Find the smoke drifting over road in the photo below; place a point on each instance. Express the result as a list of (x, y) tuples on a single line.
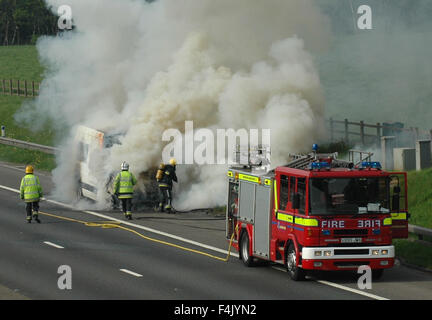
[(141, 68)]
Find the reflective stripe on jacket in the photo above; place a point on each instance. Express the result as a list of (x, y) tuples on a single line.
[(123, 184), (30, 189)]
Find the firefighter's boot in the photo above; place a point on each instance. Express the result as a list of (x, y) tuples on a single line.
[(168, 208), (36, 216), (128, 215), (160, 208)]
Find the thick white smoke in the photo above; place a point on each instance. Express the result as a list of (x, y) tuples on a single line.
[(142, 68)]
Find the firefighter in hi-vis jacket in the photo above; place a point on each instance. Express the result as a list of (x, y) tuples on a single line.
[(123, 188), (31, 192)]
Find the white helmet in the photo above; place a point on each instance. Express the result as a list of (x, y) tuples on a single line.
[(124, 166)]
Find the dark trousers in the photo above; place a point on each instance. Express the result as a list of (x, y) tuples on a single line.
[(126, 205), (165, 198), (31, 206)]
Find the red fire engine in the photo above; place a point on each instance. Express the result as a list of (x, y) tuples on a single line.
[(317, 213)]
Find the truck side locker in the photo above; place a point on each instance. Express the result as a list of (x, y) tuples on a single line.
[(399, 205), (262, 221), (247, 201)]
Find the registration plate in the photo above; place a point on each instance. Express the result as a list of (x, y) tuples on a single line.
[(351, 240)]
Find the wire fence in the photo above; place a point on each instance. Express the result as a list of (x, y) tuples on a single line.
[(21, 88), (370, 134)]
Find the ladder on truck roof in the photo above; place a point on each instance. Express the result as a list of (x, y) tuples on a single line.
[(302, 161)]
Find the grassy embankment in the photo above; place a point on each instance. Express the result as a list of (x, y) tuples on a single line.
[(420, 206), (21, 63)]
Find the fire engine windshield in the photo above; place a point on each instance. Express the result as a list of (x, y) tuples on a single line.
[(349, 196)]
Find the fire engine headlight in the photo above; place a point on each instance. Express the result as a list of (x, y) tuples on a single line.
[(384, 252), (318, 253), (327, 253), (375, 252)]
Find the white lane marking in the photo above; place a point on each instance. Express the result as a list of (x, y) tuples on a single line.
[(53, 245), (9, 189), (131, 273), (363, 293), (168, 235), (202, 245), (194, 243)]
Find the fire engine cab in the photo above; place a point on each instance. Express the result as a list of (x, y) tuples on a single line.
[(317, 213)]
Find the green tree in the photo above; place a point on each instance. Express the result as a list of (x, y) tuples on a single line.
[(22, 21)]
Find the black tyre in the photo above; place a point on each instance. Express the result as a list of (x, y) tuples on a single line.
[(296, 273), (247, 259)]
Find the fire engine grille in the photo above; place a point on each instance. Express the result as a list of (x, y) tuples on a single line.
[(350, 264), (339, 252), (350, 232)]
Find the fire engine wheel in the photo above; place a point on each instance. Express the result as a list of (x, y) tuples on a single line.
[(247, 259), (296, 273)]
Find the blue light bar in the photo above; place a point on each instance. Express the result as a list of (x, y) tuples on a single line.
[(371, 164), (376, 165), (319, 165)]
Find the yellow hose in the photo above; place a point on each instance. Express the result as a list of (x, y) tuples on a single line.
[(115, 224)]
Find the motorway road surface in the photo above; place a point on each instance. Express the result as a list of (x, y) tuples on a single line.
[(110, 263)]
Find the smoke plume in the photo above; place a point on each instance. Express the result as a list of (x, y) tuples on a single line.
[(383, 74), (141, 68)]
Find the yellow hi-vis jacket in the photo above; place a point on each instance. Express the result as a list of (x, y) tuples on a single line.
[(123, 184), (30, 189)]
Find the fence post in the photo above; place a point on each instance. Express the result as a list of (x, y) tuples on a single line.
[(331, 130), (378, 133), (346, 131), (362, 136), (10, 86), (33, 89), (18, 91), (25, 88)]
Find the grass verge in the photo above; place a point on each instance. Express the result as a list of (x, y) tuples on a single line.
[(414, 252), (40, 160), (9, 105), (20, 63), (420, 197)]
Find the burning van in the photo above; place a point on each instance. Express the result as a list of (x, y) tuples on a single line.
[(94, 183)]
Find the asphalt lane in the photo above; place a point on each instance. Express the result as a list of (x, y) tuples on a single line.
[(96, 256)]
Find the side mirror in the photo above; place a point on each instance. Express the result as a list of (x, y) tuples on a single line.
[(296, 201), (395, 202)]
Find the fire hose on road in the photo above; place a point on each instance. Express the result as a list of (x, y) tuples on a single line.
[(115, 224)]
